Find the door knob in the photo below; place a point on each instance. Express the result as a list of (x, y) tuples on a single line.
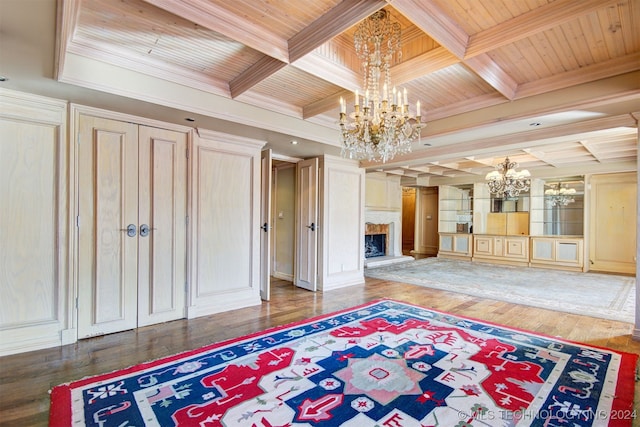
[(131, 230), (312, 227), (145, 230), (265, 227)]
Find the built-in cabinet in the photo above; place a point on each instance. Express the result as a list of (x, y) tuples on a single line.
[(456, 204), (455, 221), (545, 227), (455, 245), (501, 249), (566, 253), (514, 230)]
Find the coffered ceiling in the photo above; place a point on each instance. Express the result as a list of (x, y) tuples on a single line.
[(555, 85)]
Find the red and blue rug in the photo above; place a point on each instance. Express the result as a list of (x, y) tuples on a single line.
[(386, 363)]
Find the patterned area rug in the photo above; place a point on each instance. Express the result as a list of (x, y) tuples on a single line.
[(606, 296), (386, 363)]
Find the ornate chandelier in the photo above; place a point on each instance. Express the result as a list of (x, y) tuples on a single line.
[(505, 180), (383, 127), (558, 195)]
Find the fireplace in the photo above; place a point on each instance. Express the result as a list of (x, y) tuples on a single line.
[(376, 240)]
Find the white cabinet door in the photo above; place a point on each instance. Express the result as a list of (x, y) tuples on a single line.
[(132, 231)]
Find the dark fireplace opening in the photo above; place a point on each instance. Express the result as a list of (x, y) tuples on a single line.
[(375, 245)]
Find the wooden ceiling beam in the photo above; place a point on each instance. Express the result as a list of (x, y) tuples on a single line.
[(394, 171), (324, 105), (410, 172), (506, 142), (426, 63), (428, 16), (540, 155), (464, 106), (491, 73), (456, 167), (591, 150), (342, 17), (484, 161), (301, 46), (586, 74), (321, 67), (265, 67), (213, 17), (419, 169), (536, 21)]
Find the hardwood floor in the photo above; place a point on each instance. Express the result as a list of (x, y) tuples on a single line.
[(26, 378)]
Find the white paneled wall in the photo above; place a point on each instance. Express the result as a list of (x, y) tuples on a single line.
[(35, 225), (225, 257), (342, 187)]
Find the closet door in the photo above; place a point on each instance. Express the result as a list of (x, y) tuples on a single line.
[(132, 226), (108, 207), (161, 225)]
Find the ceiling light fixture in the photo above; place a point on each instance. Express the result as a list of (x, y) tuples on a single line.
[(559, 195), (384, 127), (506, 181)]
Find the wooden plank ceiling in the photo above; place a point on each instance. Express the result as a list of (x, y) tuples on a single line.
[(458, 57)]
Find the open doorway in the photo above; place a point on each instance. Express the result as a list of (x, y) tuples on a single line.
[(420, 221), (408, 220), (283, 220)]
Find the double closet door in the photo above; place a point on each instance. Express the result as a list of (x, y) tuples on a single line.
[(132, 191)]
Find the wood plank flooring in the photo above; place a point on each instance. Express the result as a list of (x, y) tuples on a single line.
[(26, 378)]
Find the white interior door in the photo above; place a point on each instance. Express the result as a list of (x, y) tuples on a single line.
[(265, 225), (132, 226), (108, 226), (306, 274)]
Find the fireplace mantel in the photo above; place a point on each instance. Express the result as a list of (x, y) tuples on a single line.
[(394, 221)]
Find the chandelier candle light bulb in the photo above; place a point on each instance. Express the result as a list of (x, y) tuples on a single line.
[(559, 195), (382, 131)]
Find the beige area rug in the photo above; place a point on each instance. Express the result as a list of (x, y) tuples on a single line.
[(606, 296)]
